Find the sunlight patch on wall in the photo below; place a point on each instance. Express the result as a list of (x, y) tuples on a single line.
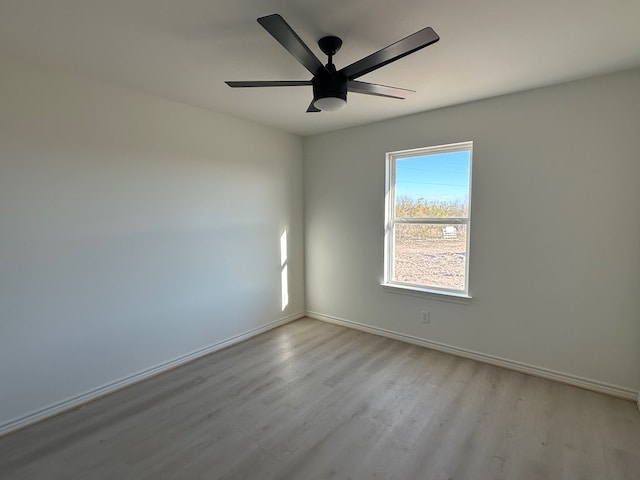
[(284, 278)]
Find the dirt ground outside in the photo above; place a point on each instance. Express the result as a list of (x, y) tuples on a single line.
[(437, 262)]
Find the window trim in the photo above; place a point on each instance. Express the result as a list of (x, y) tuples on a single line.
[(411, 288)]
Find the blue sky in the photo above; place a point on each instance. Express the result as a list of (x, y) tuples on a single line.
[(442, 176)]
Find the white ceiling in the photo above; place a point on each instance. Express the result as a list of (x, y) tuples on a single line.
[(185, 49)]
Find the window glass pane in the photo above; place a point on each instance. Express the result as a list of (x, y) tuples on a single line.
[(432, 185), (431, 255)]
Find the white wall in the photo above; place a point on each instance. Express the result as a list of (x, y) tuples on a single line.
[(555, 237), (133, 230)]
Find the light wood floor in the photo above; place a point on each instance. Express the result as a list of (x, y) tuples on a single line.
[(311, 400)]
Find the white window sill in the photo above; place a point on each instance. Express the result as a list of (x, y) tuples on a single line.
[(441, 295)]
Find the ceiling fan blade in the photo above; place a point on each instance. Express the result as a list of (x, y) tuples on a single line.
[(393, 52), (312, 108), (284, 34), (378, 90), (270, 83)]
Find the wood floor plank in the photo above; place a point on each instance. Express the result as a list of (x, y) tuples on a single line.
[(311, 400)]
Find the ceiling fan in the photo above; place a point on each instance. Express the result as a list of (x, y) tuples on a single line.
[(330, 86)]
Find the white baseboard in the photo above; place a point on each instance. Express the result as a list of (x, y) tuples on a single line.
[(594, 385), (111, 387)]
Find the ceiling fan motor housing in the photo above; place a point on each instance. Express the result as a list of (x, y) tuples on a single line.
[(329, 84)]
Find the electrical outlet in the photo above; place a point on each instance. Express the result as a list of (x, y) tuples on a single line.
[(426, 317)]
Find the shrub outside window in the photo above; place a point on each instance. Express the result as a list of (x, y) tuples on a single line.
[(428, 218)]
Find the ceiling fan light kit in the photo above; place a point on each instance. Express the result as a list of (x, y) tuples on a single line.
[(330, 86), (330, 104)]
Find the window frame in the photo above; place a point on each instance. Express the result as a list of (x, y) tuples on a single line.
[(391, 222)]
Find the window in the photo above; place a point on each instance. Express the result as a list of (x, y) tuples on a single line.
[(428, 206)]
